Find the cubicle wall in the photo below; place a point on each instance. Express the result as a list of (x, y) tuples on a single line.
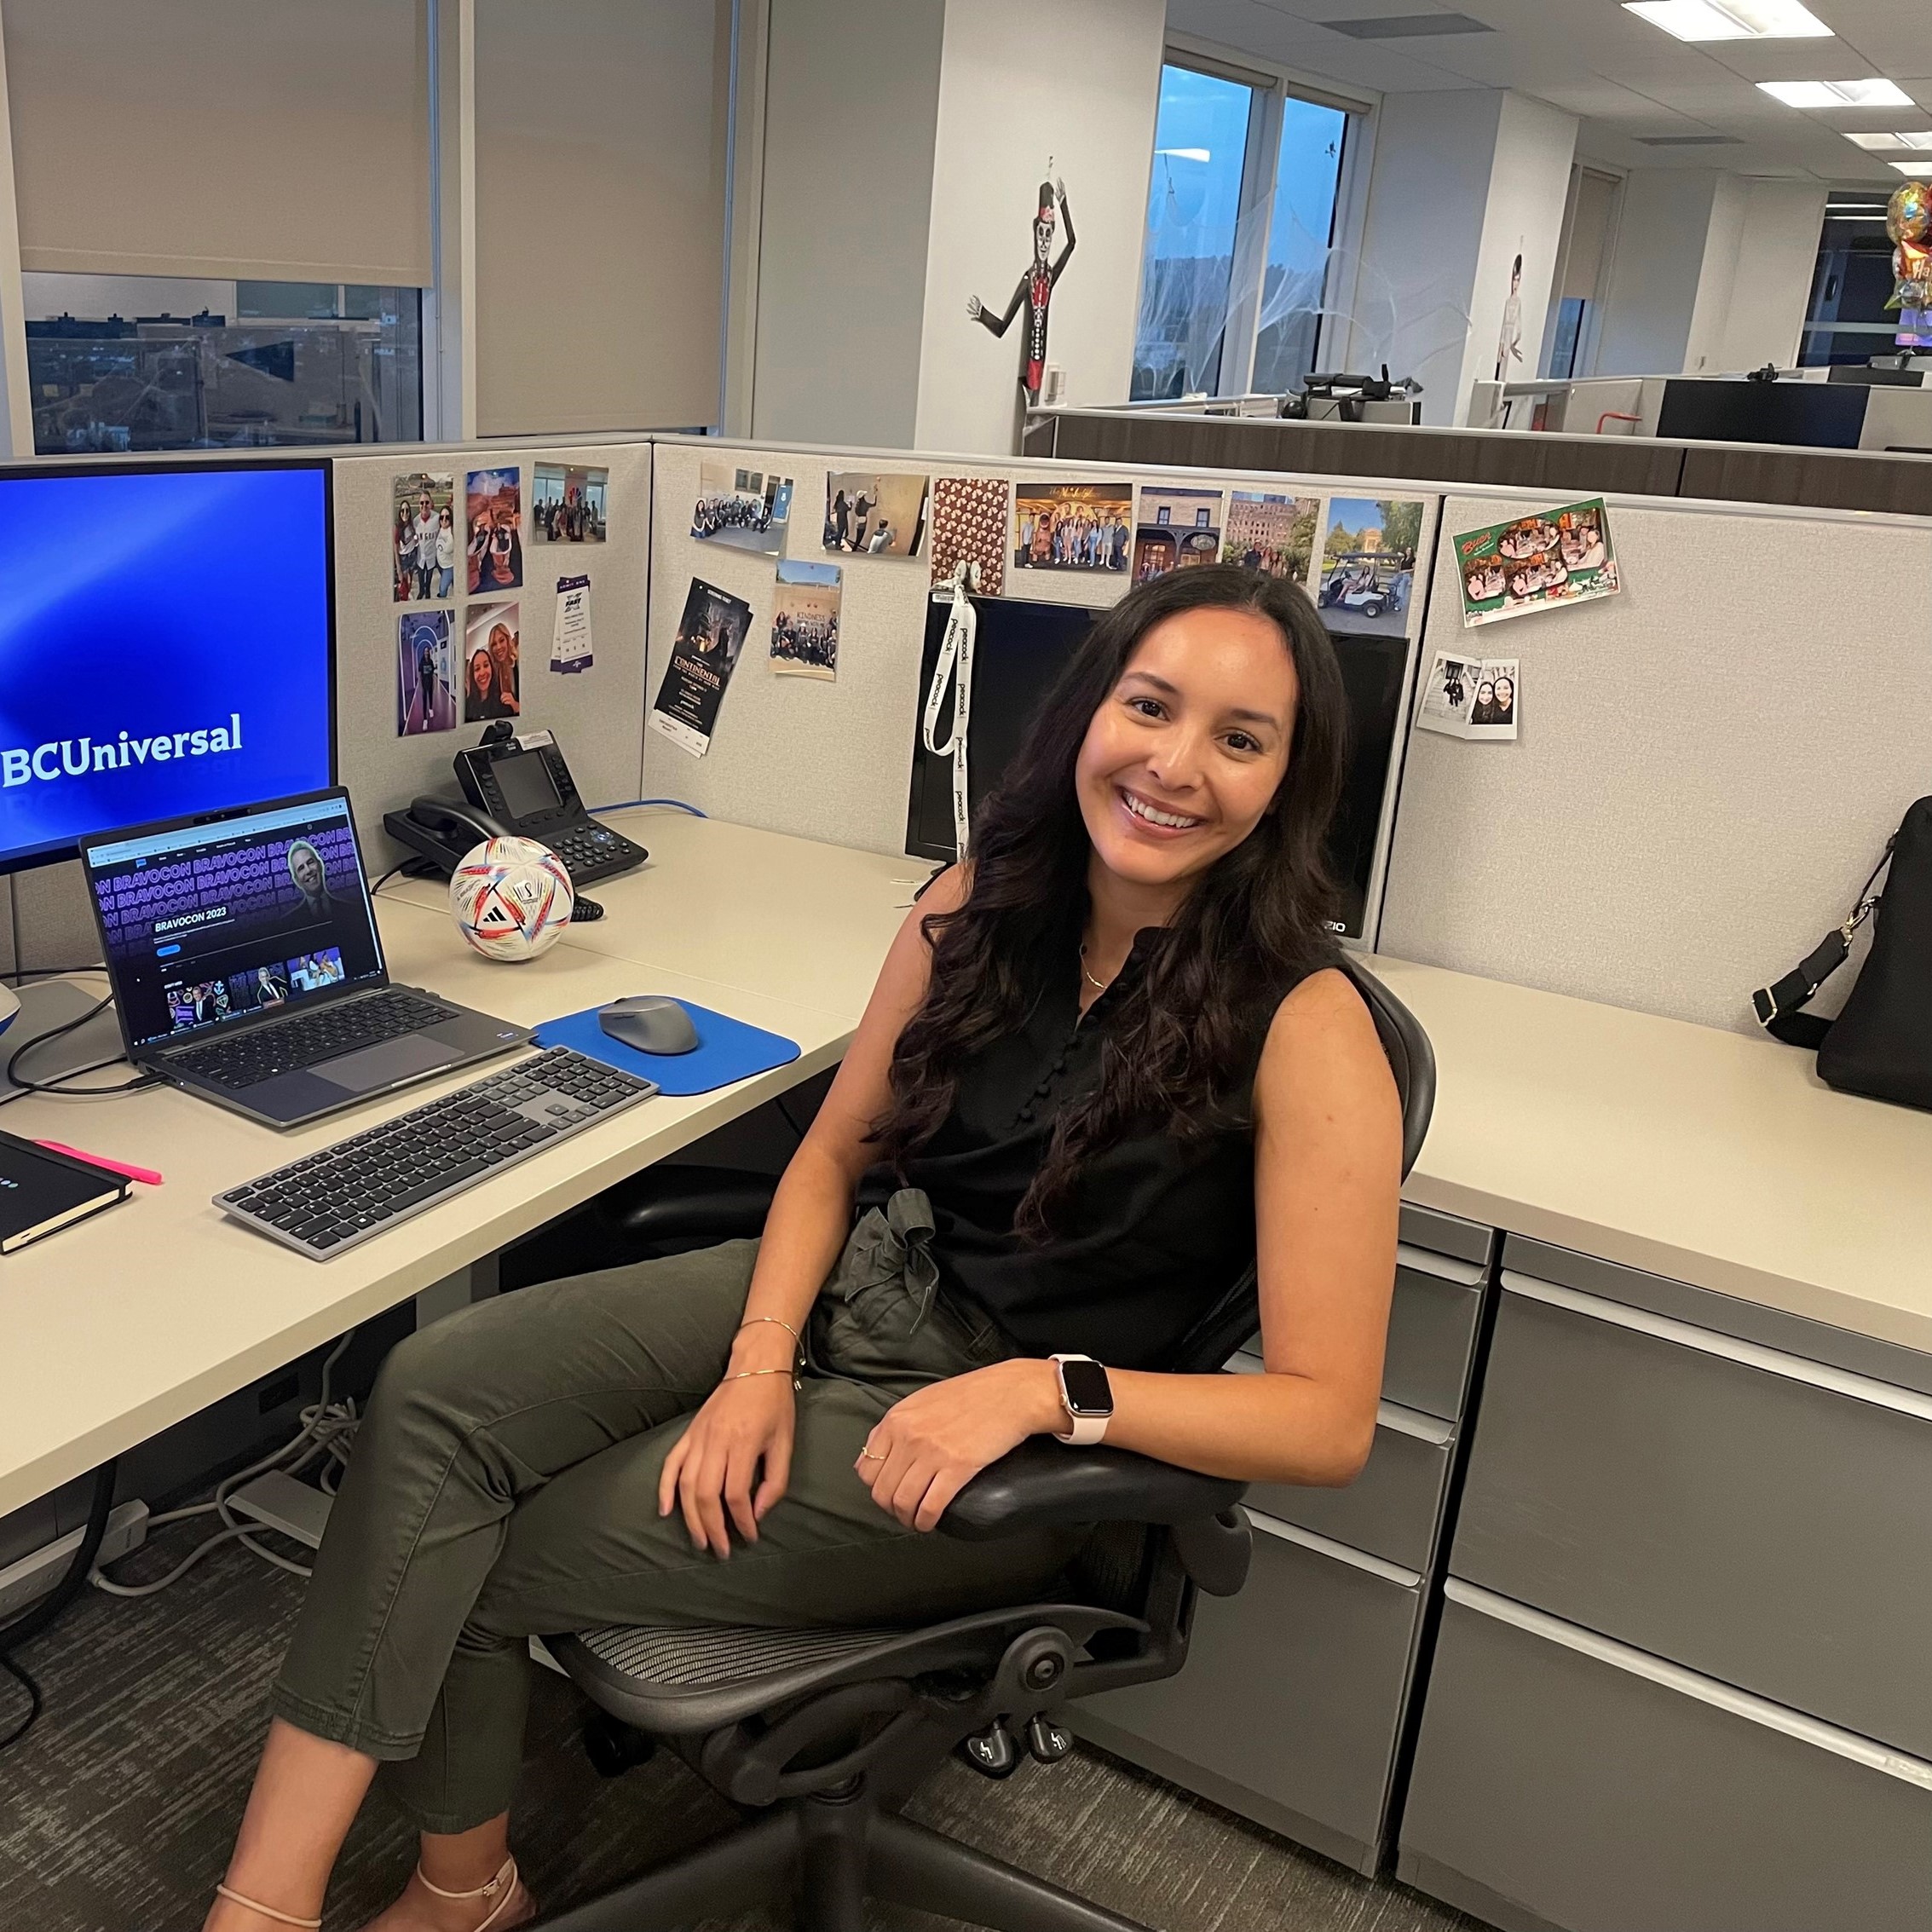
[(833, 760), (1709, 763)]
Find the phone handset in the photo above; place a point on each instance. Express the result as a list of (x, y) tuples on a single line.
[(462, 822)]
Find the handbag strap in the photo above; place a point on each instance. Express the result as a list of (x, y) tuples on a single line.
[(1776, 1005)]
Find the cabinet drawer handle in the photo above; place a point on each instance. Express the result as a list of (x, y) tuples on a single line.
[(1443, 1267), (1342, 1552), (1706, 1690), (1728, 1348)]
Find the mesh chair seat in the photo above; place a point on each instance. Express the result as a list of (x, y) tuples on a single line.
[(714, 1656)]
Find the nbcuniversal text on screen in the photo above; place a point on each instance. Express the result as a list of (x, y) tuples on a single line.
[(73, 758)]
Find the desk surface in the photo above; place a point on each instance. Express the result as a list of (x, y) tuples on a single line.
[(114, 1330), (1703, 1155)]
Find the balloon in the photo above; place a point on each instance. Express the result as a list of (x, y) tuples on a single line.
[(1908, 215)]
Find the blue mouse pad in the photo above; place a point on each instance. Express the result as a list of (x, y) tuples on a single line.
[(727, 1050)]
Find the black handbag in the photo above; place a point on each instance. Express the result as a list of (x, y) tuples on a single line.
[(1881, 1045)]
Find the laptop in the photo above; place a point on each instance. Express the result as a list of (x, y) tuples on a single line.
[(246, 968)]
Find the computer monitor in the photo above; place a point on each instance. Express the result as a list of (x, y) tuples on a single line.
[(166, 644), (1020, 647)]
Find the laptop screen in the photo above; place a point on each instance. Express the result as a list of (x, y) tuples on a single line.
[(202, 925)]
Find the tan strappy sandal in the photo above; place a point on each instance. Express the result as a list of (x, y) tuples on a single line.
[(236, 1898), (505, 1882)]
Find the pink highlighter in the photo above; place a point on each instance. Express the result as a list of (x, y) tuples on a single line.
[(145, 1175)]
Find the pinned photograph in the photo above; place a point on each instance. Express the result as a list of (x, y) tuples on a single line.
[(492, 647), (804, 620), (969, 525), (711, 636), (875, 513), (426, 676), (493, 504), (1556, 556), (1368, 568), (567, 503), (424, 537), (1470, 697), (1177, 527), (1072, 526), (1273, 535), (743, 508)]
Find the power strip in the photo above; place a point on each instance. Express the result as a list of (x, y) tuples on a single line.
[(278, 1501), (23, 1583)]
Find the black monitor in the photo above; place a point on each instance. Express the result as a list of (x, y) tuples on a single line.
[(1021, 647)]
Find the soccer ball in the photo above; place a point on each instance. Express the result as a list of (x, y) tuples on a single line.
[(511, 898)]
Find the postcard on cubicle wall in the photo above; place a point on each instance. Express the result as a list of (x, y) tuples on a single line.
[(1367, 574), (711, 635), (804, 620), (1557, 557), (571, 647), (968, 526), (493, 504), (1072, 526), (1470, 697), (1175, 528), (424, 537), (425, 677), (744, 508), (875, 513), (492, 669), (567, 503), (1274, 535)]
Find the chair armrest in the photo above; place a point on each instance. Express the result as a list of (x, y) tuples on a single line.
[(674, 1203), (1042, 1484)]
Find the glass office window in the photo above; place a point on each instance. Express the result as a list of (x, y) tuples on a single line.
[(135, 362), (1300, 232), (1847, 320), (1194, 211)]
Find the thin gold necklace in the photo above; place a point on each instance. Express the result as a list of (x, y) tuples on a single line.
[(1099, 985)]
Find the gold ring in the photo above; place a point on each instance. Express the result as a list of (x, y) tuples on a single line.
[(873, 1456)]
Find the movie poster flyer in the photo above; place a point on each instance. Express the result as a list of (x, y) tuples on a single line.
[(1556, 556), (711, 636)]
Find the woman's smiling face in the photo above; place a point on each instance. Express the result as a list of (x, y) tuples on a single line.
[(1188, 750)]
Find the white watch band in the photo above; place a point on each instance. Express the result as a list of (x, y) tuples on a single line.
[(1086, 1429)]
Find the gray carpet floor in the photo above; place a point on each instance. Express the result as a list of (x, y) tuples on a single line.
[(117, 1810)]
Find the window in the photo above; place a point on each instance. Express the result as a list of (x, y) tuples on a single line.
[(142, 362), (1847, 320), (1583, 258), (1241, 211)]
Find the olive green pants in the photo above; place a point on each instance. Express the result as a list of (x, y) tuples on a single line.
[(504, 1484)]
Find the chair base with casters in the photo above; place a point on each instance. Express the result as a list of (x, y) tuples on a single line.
[(821, 1735)]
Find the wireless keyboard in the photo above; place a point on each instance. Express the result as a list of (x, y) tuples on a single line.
[(362, 1186)]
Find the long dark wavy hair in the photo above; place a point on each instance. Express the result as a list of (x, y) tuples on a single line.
[(1178, 1045)]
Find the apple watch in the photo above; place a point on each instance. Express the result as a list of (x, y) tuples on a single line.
[(1087, 1396)]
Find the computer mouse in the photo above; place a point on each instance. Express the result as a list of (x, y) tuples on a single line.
[(651, 1022)]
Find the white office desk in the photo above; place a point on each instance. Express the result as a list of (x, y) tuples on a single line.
[(125, 1325)]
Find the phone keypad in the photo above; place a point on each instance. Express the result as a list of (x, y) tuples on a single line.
[(591, 851)]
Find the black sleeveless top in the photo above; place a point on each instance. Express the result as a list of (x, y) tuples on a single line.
[(1152, 1232)]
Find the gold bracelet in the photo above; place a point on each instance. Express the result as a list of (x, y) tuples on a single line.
[(751, 1321), (746, 1375)]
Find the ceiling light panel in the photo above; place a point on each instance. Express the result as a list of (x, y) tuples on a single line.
[(1730, 20), (1892, 143), (1836, 93), (1919, 170)]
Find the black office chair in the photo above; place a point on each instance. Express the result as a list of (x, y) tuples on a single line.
[(823, 1734)]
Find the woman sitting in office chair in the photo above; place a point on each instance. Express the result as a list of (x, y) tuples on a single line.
[(1103, 1064)]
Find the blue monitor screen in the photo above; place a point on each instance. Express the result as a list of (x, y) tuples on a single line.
[(164, 647)]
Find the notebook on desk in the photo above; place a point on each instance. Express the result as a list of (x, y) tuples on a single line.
[(42, 1191)]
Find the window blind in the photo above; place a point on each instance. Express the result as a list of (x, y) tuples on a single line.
[(600, 218), (269, 140)]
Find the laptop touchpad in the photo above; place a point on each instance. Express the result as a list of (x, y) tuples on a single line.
[(386, 1063)]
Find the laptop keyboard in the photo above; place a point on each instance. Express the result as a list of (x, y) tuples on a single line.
[(346, 1193), (306, 1040)]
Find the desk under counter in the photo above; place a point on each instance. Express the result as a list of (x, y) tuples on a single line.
[(1653, 1653)]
